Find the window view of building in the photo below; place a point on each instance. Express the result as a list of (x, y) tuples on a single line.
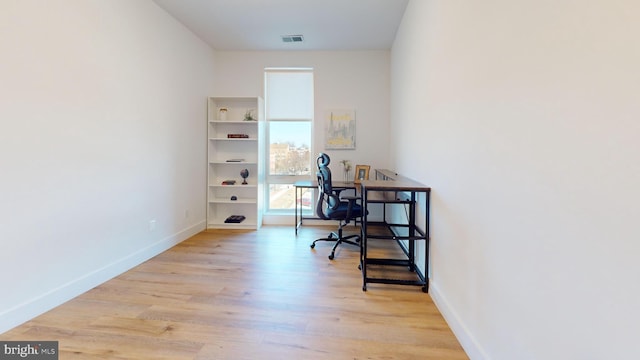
[(288, 159)]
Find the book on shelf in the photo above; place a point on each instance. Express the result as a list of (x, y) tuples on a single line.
[(234, 219), (228, 182), (235, 160), (237, 136)]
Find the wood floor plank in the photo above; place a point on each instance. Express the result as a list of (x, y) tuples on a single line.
[(232, 294)]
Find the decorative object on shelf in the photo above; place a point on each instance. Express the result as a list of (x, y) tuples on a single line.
[(248, 115), (222, 114), (362, 173), (234, 198), (245, 174), (340, 130), (346, 167)]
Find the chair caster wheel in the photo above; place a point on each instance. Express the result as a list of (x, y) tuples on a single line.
[(331, 257), (312, 246)]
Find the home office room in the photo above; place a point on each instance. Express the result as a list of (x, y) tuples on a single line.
[(515, 123)]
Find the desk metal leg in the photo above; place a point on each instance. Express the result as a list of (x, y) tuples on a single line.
[(363, 243), (427, 206), (296, 224), (412, 232)]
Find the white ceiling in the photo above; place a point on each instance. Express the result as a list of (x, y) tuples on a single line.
[(259, 24)]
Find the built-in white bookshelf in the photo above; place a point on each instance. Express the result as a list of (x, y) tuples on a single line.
[(235, 143)]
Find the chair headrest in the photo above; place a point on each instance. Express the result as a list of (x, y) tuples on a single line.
[(323, 160)]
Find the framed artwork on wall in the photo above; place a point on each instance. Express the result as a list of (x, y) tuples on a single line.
[(340, 130)]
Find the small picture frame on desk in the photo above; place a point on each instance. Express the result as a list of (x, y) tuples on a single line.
[(362, 173)]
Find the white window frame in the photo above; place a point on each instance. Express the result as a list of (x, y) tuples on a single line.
[(285, 179)]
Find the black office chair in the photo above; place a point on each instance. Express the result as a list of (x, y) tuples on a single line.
[(331, 207)]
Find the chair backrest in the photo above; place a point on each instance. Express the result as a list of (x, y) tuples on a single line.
[(327, 198)]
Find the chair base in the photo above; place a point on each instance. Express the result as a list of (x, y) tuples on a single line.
[(339, 239)]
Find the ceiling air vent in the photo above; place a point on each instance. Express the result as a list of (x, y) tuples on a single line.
[(292, 38)]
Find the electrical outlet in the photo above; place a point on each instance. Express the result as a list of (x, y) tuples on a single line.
[(152, 225)]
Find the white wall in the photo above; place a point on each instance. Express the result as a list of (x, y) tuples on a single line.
[(102, 129), (523, 117), (343, 80)]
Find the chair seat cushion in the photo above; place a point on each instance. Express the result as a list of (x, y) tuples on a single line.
[(341, 211)]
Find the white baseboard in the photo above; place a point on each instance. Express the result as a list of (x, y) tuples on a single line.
[(465, 337), (19, 314)]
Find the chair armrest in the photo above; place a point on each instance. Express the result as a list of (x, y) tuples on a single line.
[(352, 200), (337, 191)]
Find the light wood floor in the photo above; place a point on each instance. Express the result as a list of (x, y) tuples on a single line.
[(247, 295)]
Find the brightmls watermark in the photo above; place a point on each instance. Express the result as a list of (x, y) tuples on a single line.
[(32, 350)]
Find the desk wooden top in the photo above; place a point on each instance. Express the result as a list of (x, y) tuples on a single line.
[(400, 184), (395, 182), (335, 184)]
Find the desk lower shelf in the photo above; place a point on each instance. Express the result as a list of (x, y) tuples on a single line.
[(405, 193), (389, 270)]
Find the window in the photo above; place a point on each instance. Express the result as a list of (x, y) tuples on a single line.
[(289, 116)]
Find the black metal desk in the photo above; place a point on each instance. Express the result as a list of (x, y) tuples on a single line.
[(402, 191), (313, 184)]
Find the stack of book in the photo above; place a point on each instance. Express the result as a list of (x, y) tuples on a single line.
[(237, 136), (234, 219)]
